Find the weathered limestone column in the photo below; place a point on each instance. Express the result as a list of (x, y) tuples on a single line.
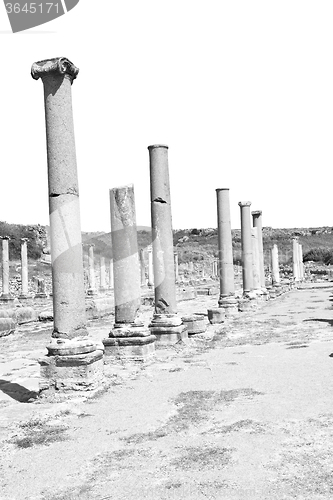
[(5, 296), (255, 259), (111, 280), (247, 266), (142, 267), (166, 324), (73, 360), (190, 267), (150, 268), (176, 266), (275, 265), (227, 299), (24, 270), (40, 294), (257, 222), (295, 259), (91, 271), (128, 338), (300, 260), (102, 284)]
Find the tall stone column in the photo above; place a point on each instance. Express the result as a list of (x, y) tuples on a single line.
[(275, 265), (246, 237), (5, 296), (176, 267), (257, 222), (166, 324), (142, 267), (128, 338), (295, 259), (91, 271), (111, 280), (24, 270), (150, 269), (255, 259), (300, 260), (73, 360), (102, 285)]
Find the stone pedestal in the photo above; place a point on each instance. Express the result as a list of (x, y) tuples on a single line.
[(5, 297), (128, 339), (246, 230), (61, 369), (195, 323), (166, 325)]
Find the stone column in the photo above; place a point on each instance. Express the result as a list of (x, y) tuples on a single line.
[(176, 267), (91, 271), (24, 270), (255, 259), (247, 266), (73, 360), (166, 324), (257, 222), (275, 265), (111, 280), (227, 299), (142, 267), (295, 259), (128, 338), (5, 296), (190, 267), (300, 260), (40, 294), (150, 269), (102, 285)]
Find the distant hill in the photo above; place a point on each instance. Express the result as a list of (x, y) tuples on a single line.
[(192, 244)]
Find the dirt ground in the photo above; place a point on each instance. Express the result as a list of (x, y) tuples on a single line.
[(243, 412)]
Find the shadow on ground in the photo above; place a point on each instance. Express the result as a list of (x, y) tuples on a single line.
[(17, 391)]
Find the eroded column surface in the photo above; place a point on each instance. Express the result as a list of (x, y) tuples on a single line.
[(166, 325), (70, 331), (5, 296), (91, 271), (275, 265), (128, 332), (295, 259), (257, 222), (102, 284), (24, 269), (255, 259), (246, 238)]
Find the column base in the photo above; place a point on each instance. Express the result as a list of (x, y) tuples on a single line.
[(6, 298), (41, 295), (129, 342), (168, 329), (216, 316), (229, 304), (70, 366), (195, 323)]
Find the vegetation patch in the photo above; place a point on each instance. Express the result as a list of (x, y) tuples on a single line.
[(40, 434), (198, 458), (247, 425)]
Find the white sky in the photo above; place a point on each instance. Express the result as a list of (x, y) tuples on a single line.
[(241, 91)]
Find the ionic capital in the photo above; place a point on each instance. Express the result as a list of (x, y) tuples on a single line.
[(57, 66), (257, 212), (244, 203)]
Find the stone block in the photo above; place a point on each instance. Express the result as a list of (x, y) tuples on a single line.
[(216, 316), (195, 323), (130, 348)]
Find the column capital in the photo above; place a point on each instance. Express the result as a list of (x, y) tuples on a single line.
[(154, 146), (24, 240), (256, 212), (244, 203), (57, 66), (222, 189), (4, 237)]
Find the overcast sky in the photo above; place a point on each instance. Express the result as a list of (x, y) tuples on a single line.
[(240, 91)]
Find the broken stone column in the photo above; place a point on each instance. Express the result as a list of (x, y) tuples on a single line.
[(142, 267), (295, 259), (275, 265), (102, 284), (166, 324), (73, 362), (24, 270), (257, 222), (176, 262), (255, 260), (91, 271), (6, 295), (129, 338), (150, 269), (246, 237), (40, 294)]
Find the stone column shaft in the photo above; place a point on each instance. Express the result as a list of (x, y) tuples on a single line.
[(275, 265), (247, 265), (295, 259), (5, 269), (176, 266), (226, 274), (255, 259), (24, 268), (257, 222), (111, 280), (142, 267), (300, 260), (150, 269), (102, 273)]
